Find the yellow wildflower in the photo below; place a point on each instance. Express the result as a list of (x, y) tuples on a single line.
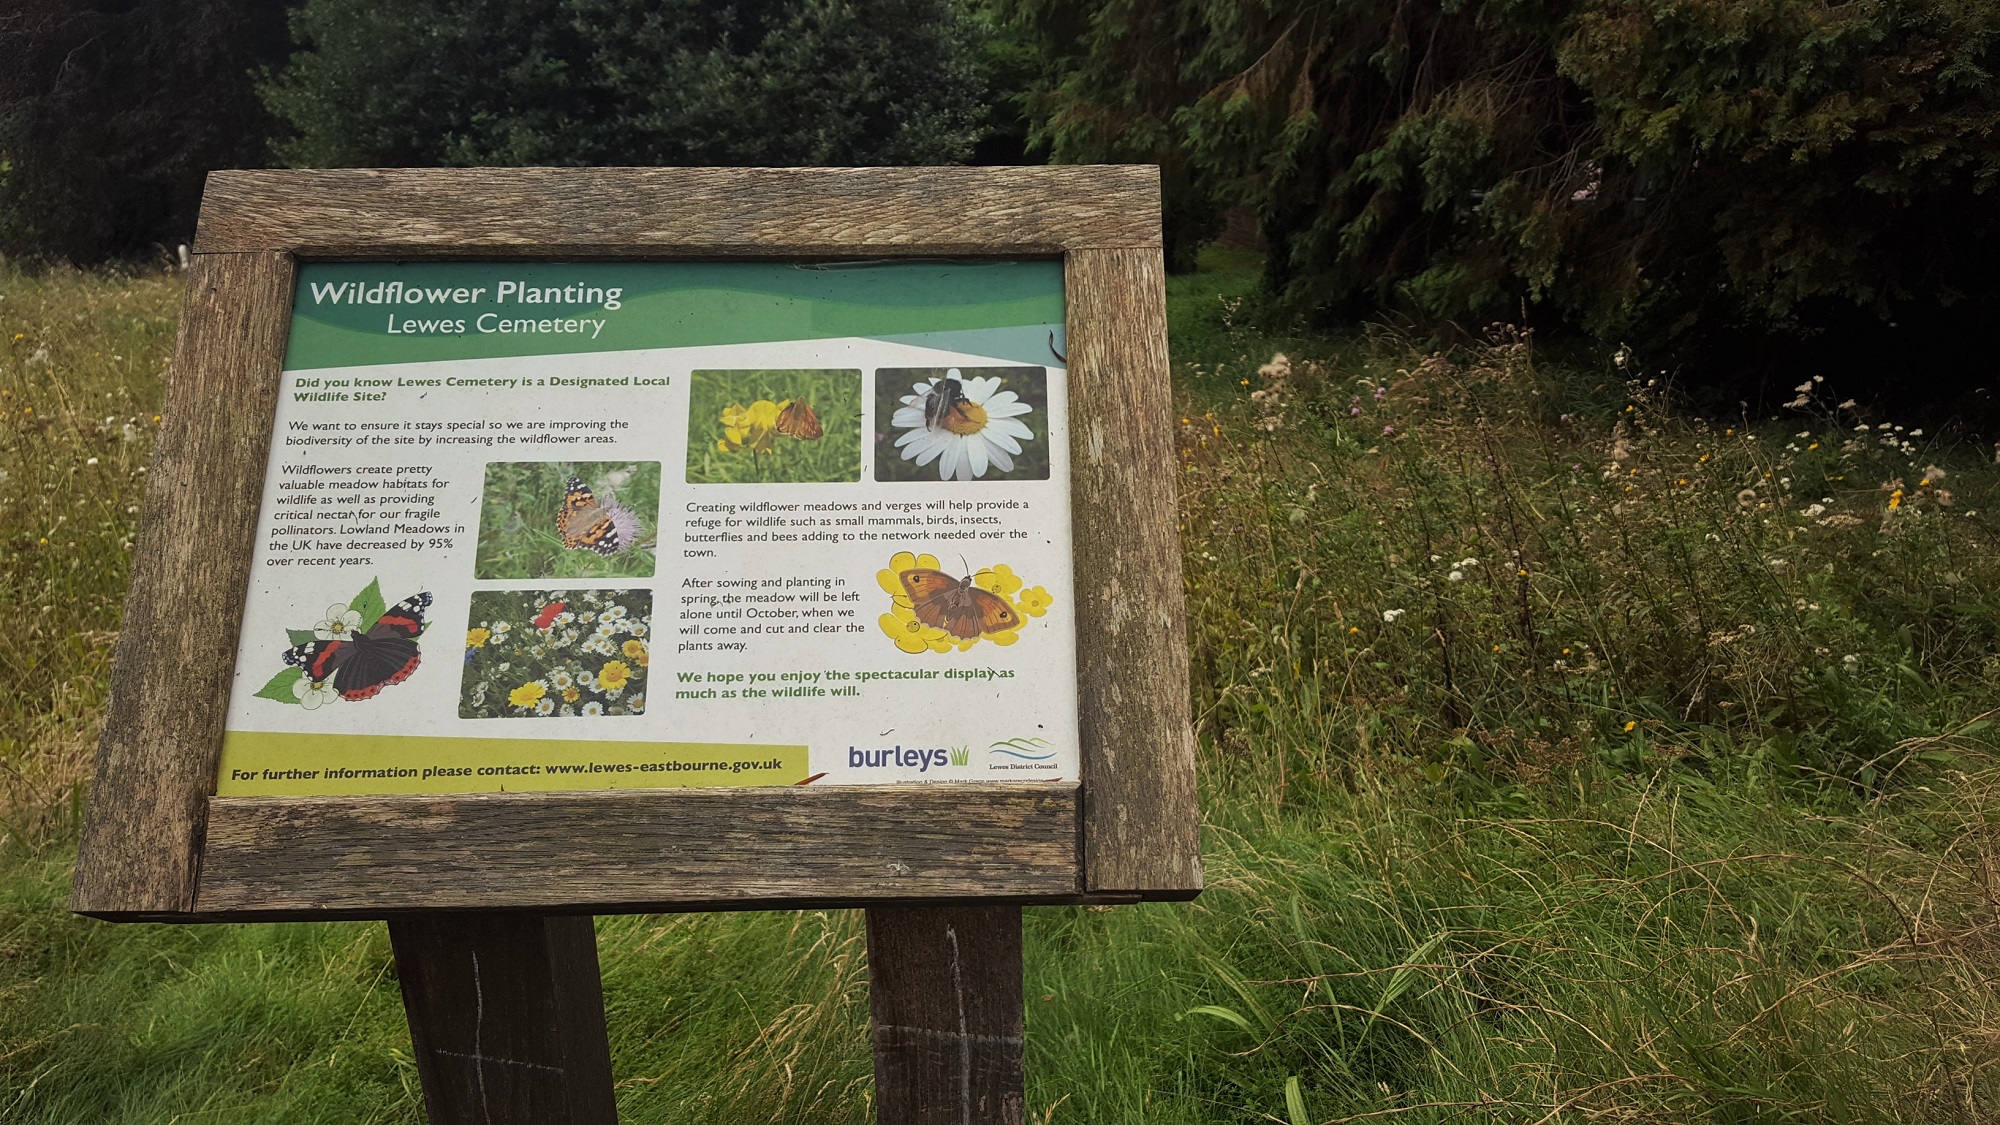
[(571, 694), (477, 638), (890, 580), (999, 580), (748, 427), (614, 675), (900, 624), (1034, 601), (528, 694)]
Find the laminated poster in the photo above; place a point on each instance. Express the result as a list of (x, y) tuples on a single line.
[(604, 526)]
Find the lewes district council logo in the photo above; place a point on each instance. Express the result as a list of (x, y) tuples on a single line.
[(1023, 749)]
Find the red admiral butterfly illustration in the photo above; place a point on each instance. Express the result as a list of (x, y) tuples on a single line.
[(361, 666)]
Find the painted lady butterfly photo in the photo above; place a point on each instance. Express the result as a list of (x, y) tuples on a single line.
[(568, 519), (587, 525)]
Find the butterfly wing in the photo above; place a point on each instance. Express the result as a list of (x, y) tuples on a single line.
[(404, 619), (926, 585), (377, 663), (319, 659), (995, 615), (797, 420), (583, 523)]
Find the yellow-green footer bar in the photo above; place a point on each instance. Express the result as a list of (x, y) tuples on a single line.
[(264, 764)]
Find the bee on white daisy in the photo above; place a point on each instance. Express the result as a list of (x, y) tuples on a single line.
[(967, 426)]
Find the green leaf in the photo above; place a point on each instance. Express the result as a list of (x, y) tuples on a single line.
[(369, 604), (279, 687), (1295, 1102), (301, 636), (1226, 1015)]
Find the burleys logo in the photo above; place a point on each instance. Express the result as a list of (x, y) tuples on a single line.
[(920, 757)]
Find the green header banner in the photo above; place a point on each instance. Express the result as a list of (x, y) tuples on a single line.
[(362, 314)]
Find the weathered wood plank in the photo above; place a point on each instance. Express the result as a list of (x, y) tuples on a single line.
[(411, 213), (1141, 827), (638, 849), (945, 1008), (506, 1018), (177, 645)]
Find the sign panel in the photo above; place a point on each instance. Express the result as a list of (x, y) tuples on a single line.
[(546, 526)]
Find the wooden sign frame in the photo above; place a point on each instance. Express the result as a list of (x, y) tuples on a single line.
[(160, 845)]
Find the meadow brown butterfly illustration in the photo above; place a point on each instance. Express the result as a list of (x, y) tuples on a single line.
[(956, 605)]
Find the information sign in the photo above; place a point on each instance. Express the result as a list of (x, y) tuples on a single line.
[(560, 526)]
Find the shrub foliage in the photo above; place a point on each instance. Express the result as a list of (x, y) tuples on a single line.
[(1632, 165), (112, 113), (600, 82)]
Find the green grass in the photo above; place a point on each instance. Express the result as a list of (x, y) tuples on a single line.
[(1677, 805), (518, 508)]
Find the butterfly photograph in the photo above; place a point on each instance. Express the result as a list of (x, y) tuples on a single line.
[(936, 609), (940, 424), (774, 426), (568, 519), (357, 649)]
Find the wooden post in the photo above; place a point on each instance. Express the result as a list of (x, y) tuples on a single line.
[(944, 993), (506, 1018)]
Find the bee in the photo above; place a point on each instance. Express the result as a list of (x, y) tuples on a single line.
[(944, 399)]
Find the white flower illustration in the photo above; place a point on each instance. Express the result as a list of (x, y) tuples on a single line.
[(314, 693), (982, 432), (341, 623)]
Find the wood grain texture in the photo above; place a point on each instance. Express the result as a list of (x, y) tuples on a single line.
[(945, 1014), (1141, 823), (177, 645), (638, 849), (412, 213), (506, 1018)]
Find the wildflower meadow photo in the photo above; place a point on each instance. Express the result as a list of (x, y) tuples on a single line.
[(771, 427), (961, 424), (556, 654), (565, 519)]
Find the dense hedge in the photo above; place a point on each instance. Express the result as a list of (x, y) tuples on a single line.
[(519, 82), (111, 113), (1683, 171)]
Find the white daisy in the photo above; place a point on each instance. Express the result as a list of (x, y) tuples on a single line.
[(982, 432), (593, 708), (340, 624), (314, 693), (545, 706)]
